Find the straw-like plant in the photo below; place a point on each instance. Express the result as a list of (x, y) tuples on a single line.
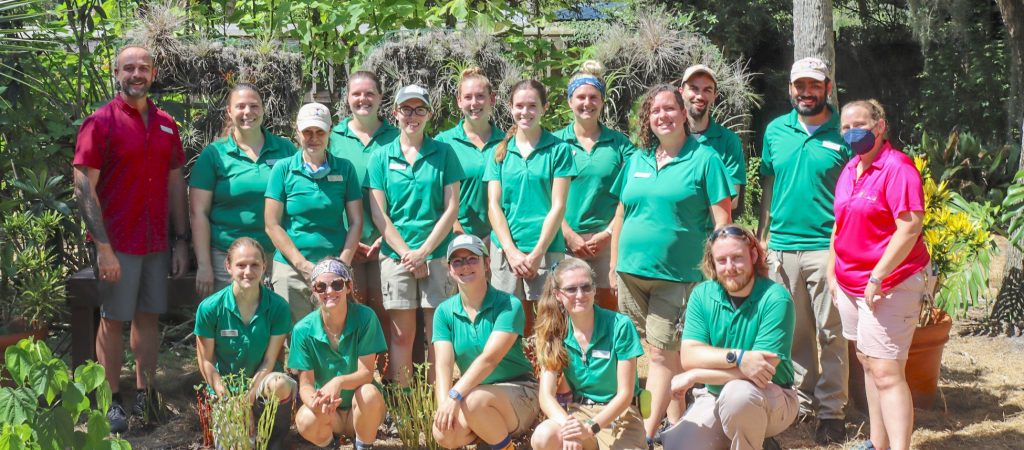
[(230, 420), (413, 409)]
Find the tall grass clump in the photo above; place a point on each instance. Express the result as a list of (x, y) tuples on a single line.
[(413, 409), (229, 423)]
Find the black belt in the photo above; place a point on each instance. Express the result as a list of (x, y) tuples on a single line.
[(588, 402)]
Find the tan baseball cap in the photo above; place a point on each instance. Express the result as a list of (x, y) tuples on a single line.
[(809, 68), (314, 115), (699, 68)]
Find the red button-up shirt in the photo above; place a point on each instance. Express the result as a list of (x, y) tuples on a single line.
[(134, 161)]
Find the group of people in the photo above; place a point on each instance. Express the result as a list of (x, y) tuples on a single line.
[(499, 236)]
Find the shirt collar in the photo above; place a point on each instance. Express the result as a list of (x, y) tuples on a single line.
[(754, 297), (686, 153), (124, 106), (297, 163), (601, 318), (570, 134), (883, 155), (343, 130), (460, 134), (485, 304), (269, 145), (546, 140), (428, 148), (232, 304), (320, 334), (831, 124)]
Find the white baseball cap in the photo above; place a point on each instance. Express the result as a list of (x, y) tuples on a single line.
[(699, 68), (410, 92), (467, 242), (809, 68), (314, 115)]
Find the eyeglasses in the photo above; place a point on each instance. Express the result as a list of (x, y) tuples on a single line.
[(336, 285), (730, 231), (575, 290), (467, 261), (419, 111)]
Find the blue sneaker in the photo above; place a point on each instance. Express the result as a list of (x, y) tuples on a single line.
[(118, 418)]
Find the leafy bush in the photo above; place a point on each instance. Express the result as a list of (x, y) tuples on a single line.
[(979, 172), (31, 282), (43, 409)]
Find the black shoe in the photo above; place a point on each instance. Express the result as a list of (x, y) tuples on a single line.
[(118, 418), (147, 405), (830, 431), (771, 444)]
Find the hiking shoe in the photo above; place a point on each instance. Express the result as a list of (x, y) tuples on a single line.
[(118, 418), (771, 444), (830, 431), (146, 404)]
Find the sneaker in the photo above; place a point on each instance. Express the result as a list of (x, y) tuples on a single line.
[(118, 418), (147, 405), (771, 444), (830, 431)]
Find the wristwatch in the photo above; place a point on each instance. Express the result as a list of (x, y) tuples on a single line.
[(454, 395), (731, 356), (594, 426), (875, 280)]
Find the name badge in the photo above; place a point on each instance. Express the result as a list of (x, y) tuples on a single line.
[(397, 166), (271, 162), (229, 333), (831, 145), (642, 174), (166, 129), (601, 354), (335, 178)]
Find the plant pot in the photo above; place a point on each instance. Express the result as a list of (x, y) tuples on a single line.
[(923, 363)]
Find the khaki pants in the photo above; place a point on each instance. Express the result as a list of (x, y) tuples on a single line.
[(625, 433), (740, 418), (820, 356), (290, 284)]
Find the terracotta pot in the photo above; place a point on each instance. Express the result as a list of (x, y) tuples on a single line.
[(9, 339), (923, 364)]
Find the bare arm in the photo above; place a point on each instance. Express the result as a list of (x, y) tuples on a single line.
[(267, 365), (721, 212), (908, 228), (273, 210), (499, 223), (86, 179), (200, 201), (625, 381), (765, 219), (754, 365), (547, 398), (616, 231), (384, 224), (207, 364), (497, 346), (354, 211), (178, 200)]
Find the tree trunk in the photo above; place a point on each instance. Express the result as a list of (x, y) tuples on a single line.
[(813, 35), (1008, 310)]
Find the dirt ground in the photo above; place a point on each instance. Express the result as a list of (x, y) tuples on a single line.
[(981, 404)]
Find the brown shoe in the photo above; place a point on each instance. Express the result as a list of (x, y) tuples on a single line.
[(830, 431)]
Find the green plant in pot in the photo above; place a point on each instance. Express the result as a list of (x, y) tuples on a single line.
[(31, 282)]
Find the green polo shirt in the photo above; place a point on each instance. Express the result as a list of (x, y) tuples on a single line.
[(590, 206), (311, 348), (764, 321), (238, 185), (729, 148), (667, 217), (593, 374), (240, 346), (414, 192), (345, 144), (314, 210), (500, 311), (806, 170), (473, 190), (526, 189)]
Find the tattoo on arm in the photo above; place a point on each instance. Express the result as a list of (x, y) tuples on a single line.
[(89, 207)]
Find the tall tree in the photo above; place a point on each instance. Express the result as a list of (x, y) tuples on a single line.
[(813, 34)]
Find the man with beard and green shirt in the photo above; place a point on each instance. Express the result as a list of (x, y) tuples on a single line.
[(802, 158), (700, 89)]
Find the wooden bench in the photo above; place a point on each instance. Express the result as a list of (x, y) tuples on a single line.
[(83, 298)]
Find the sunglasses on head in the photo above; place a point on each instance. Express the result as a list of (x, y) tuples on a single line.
[(336, 285), (728, 231)]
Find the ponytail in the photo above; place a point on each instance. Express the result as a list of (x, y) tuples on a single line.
[(502, 149)]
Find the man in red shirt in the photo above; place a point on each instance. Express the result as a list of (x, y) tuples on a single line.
[(127, 172)]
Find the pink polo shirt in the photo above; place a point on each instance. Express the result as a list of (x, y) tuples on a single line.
[(866, 212), (134, 161)]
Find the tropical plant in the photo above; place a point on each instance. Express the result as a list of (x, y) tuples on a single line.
[(978, 171), (961, 247), (44, 408), (31, 283)]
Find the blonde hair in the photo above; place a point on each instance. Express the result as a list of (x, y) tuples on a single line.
[(473, 73), (707, 264), (552, 324), (243, 242), (874, 108), (591, 67)]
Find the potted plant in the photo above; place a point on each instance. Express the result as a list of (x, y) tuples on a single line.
[(31, 282)]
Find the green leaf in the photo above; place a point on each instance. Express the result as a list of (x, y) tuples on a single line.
[(17, 405), (102, 396), (18, 363), (98, 429), (74, 400), (49, 379), (91, 376), (55, 429), (9, 440)]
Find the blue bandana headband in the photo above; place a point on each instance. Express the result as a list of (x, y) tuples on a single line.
[(586, 79), (331, 266)]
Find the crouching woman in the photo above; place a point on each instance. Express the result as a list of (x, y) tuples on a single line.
[(335, 351)]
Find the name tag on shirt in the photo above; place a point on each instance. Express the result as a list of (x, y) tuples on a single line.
[(271, 162), (642, 174), (831, 145), (601, 354), (229, 333), (166, 129), (398, 166), (335, 178)]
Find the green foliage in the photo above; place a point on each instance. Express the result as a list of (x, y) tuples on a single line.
[(42, 410), (31, 283), (231, 420), (977, 171), (1013, 211), (413, 409)]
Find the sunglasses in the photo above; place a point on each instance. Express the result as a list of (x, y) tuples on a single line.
[(336, 285), (728, 231), (409, 112), (575, 290), (467, 261)]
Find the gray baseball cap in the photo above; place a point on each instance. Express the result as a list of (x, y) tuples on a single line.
[(410, 92), (467, 242)]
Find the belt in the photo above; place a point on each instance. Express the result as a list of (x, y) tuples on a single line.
[(588, 402)]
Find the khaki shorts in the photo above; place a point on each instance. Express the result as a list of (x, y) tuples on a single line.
[(403, 291), (625, 433), (657, 307), (523, 397), (293, 287), (142, 287), (600, 263), (503, 279), (886, 332)]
